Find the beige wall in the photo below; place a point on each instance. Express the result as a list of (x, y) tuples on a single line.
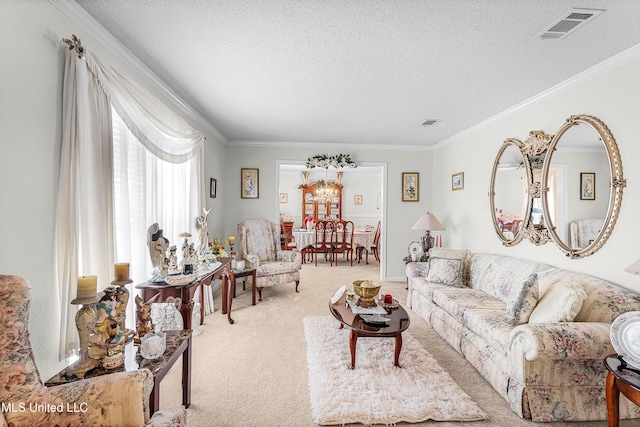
[(613, 98)]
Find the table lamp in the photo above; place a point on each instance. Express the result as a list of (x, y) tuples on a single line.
[(429, 222)]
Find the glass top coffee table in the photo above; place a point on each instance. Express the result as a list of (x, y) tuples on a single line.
[(398, 323)]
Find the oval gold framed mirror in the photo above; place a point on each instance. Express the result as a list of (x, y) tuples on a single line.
[(509, 195), (582, 191)]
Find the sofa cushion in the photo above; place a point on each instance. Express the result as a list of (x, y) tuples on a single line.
[(445, 271), (498, 274), (456, 301), (275, 267), (522, 300), (462, 254), (560, 303)]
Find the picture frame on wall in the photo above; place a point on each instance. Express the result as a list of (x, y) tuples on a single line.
[(284, 198), (250, 184), (357, 199), (587, 186), (457, 181), (213, 188), (410, 182)]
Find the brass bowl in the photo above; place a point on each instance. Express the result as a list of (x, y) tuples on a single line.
[(366, 290)]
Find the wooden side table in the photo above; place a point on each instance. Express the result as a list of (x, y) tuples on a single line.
[(620, 379), (178, 344), (246, 272)]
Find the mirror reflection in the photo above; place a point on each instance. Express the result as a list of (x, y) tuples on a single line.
[(582, 191), (509, 189)]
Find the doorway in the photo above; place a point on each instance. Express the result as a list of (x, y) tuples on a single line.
[(363, 195)]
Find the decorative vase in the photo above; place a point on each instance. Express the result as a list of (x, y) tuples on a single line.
[(310, 225)]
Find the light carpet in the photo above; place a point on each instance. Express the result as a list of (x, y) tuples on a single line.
[(377, 392)]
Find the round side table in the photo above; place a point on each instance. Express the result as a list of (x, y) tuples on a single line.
[(620, 379)]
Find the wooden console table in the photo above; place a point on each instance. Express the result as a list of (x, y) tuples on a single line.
[(178, 344), (186, 292)]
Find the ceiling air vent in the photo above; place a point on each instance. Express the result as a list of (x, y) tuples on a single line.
[(568, 23), (429, 122)]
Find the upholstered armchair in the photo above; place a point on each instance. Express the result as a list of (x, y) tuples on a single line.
[(118, 399), (260, 248)]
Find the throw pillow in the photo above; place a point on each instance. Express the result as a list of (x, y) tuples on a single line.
[(560, 303), (522, 300), (446, 271), (462, 254)]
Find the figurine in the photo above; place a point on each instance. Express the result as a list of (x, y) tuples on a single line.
[(158, 245), (203, 234), (173, 260), (144, 325)]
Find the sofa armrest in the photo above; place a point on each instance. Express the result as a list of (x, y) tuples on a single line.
[(565, 340), (120, 398), (252, 260), (417, 269), (291, 256)]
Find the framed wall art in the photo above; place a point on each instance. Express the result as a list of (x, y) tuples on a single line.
[(587, 186), (213, 188), (250, 183), (457, 181), (409, 186), (284, 198), (357, 199)]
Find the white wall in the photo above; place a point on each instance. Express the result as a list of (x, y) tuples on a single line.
[(30, 119), (612, 98)]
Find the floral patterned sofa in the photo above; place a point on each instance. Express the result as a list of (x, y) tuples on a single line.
[(538, 334), (118, 399)]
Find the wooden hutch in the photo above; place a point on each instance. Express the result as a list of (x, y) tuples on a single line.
[(331, 208)]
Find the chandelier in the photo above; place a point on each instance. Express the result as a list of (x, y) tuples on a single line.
[(325, 193)]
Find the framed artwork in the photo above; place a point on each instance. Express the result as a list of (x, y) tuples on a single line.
[(284, 198), (457, 181), (213, 187), (409, 186), (587, 186), (357, 199), (250, 183)]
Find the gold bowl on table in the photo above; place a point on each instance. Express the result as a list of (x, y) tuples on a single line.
[(366, 290)]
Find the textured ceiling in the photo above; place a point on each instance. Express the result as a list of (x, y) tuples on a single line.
[(360, 72)]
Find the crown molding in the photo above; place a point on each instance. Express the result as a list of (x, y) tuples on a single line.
[(78, 15), (597, 70), (329, 145)]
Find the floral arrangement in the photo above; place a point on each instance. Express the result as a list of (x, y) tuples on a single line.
[(308, 218), (217, 246), (324, 161)]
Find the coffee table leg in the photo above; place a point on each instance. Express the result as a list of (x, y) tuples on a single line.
[(353, 339), (396, 355), (613, 401), (228, 281)]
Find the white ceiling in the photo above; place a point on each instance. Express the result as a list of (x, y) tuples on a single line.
[(360, 71)]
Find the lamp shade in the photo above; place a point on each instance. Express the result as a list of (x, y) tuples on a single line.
[(428, 221)]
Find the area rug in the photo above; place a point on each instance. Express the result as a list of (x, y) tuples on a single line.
[(377, 392)]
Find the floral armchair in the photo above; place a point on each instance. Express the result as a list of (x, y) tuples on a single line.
[(260, 248), (118, 399)]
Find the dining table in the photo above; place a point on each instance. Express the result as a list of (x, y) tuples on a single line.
[(362, 238)]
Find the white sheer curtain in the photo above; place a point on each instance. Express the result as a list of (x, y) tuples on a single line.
[(86, 239)]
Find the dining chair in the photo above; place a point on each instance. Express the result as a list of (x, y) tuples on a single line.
[(325, 238), (375, 249), (344, 240)]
